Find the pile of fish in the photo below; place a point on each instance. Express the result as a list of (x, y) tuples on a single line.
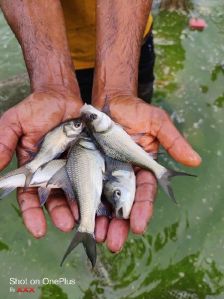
[(99, 161)]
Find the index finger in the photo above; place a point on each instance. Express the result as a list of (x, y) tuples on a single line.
[(142, 210), (176, 145), (10, 132)]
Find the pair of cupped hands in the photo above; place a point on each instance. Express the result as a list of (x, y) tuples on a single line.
[(22, 126)]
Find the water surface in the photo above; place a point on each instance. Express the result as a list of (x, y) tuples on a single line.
[(181, 254)]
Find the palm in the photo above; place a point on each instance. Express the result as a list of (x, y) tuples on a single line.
[(21, 128), (37, 115), (149, 126)]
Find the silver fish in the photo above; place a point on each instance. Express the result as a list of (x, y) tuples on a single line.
[(116, 143), (54, 143), (15, 179), (85, 167), (119, 186)]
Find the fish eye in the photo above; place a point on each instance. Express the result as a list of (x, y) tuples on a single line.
[(93, 116), (117, 194), (77, 124)]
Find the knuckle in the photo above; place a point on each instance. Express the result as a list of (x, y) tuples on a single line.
[(164, 115), (8, 115)]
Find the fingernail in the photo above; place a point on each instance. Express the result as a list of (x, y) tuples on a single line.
[(195, 159), (119, 250), (65, 226), (38, 234)]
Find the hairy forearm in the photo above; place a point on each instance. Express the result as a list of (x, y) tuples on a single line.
[(40, 30), (120, 29)]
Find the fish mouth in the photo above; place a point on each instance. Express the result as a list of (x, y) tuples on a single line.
[(121, 213), (86, 119)]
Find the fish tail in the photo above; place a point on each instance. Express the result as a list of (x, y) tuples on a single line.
[(43, 193), (6, 186), (165, 179), (89, 244)]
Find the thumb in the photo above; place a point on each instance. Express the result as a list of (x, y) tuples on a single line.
[(176, 145), (10, 132)]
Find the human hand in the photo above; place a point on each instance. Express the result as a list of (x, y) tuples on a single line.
[(21, 127), (150, 126)]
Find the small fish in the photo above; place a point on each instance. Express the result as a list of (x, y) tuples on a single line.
[(85, 167), (119, 186), (15, 179), (54, 143), (116, 143)]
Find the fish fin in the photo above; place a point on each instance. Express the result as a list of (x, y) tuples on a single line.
[(43, 194), (5, 191), (33, 154), (89, 244), (164, 181), (10, 175), (106, 106), (103, 210), (109, 177), (61, 180), (67, 188), (29, 177), (21, 170), (43, 166), (85, 143), (58, 178)]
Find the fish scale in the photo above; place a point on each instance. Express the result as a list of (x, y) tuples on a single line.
[(84, 168), (114, 165), (53, 144), (120, 142), (117, 144)]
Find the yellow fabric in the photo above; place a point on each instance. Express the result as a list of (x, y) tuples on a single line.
[(80, 18)]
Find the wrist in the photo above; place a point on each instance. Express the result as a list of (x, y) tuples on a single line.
[(67, 96), (58, 75), (114, 87)]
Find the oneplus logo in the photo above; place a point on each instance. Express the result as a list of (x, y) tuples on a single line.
[(25, 290)]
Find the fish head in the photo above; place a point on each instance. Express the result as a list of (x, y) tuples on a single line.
[(120, 197), (95, 119), (124, 202), (73, 128)]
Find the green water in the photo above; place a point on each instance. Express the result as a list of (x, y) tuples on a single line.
[(182, 253)]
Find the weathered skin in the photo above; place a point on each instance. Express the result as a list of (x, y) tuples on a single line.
[(119, 186), (54, 98)]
